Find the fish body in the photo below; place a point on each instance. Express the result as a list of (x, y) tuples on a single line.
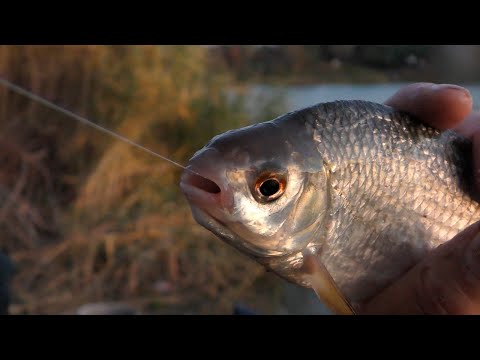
[(366, 189)]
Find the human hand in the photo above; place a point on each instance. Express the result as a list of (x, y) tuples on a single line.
[(447, 281)]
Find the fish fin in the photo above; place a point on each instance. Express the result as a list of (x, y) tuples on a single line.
[(324, 286)]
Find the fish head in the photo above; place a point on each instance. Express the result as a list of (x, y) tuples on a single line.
[(262, 188)]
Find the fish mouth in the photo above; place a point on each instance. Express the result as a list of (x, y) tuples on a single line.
[(202, 189), (205, 199), (192, 179)]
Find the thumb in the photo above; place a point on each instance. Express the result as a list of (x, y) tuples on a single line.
[(442, 106), (447, 281)]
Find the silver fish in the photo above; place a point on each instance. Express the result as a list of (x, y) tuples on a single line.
[(365, 189)]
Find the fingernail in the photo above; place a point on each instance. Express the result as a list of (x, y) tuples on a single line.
[(456, 88), (472, 256)]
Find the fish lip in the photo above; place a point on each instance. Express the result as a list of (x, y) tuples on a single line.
[(201, 198)]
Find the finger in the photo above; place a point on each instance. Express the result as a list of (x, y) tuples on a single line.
[(446, 282), (442, 106), (476, 163), (469, 126)]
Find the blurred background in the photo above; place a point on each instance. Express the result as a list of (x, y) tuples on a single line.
[(86, 219)]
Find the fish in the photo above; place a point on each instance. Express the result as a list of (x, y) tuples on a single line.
[(342, 197)]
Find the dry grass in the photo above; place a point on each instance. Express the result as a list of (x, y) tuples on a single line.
[(87, 218)]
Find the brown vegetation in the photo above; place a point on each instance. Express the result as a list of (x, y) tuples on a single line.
[(88, 218)]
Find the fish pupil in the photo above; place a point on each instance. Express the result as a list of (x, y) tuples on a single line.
[(270, 187)]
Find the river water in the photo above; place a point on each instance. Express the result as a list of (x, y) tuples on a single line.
[(302, 96)]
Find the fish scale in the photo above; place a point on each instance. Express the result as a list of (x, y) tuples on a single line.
[(428, 175)]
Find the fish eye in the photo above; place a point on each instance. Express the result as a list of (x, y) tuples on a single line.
[(270, 186)]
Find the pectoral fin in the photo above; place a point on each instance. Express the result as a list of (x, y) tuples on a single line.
[(324, 286)]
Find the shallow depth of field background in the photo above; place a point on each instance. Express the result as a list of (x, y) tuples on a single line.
[(87, 218)]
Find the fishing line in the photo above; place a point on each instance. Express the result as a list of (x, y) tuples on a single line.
[(19, 90)]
